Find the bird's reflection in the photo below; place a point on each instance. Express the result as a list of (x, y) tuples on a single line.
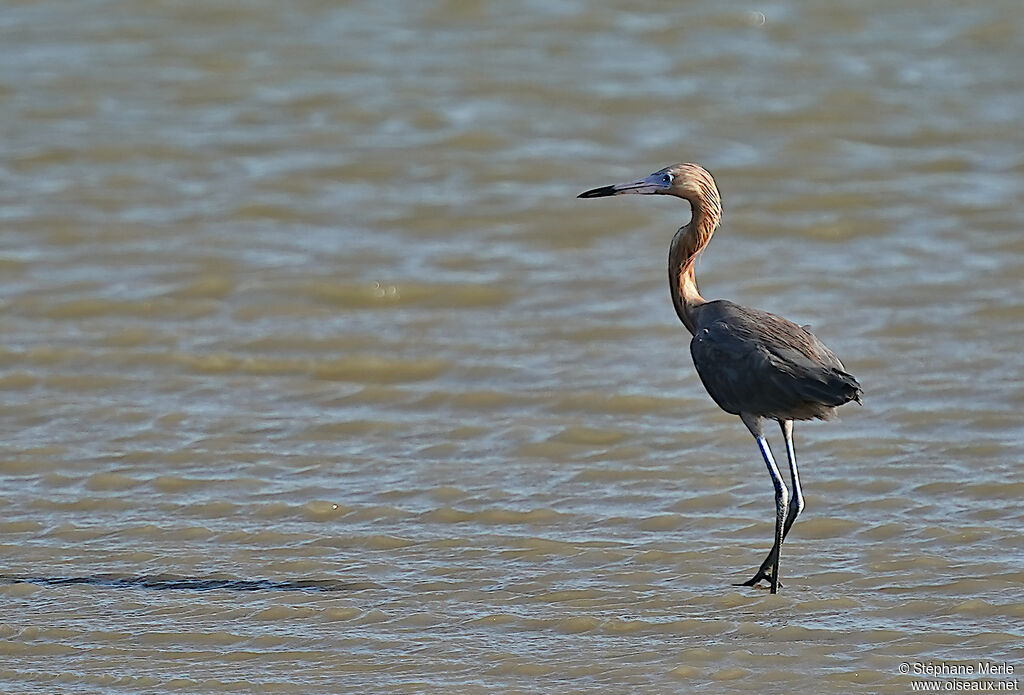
[(167, 582)]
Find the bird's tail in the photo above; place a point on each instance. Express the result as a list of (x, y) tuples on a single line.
[(833, 388)]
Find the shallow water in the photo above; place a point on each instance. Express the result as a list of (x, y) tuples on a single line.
[(316, 377)]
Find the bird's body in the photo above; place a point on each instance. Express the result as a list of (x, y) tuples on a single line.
[(753, 364), (797, 377)]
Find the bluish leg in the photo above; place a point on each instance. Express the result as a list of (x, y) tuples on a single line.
[(781, 503), (796, 505)]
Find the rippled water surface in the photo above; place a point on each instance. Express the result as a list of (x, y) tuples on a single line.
[(315, 376)]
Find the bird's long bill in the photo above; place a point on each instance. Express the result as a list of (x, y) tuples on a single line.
[(645, 186)]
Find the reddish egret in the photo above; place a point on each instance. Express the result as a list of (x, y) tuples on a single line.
[(753, 364)]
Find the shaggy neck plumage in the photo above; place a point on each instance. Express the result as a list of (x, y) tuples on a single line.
[(686, 244)]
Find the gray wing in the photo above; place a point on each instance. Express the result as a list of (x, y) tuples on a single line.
[(771, 368)]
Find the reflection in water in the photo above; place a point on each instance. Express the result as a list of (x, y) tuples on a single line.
[(166, 582)]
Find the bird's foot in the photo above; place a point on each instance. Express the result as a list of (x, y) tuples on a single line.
[(753, 581)]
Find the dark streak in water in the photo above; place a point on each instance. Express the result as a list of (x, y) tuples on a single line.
[(165, 582)]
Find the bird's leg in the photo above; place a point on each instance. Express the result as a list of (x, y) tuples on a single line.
[(781, 502), (796, 505), (781, 499), (796, 502)]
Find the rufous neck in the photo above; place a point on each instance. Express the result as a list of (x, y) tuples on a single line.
[(686, 244)]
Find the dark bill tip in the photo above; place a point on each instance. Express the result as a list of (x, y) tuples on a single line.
[(602, 192)]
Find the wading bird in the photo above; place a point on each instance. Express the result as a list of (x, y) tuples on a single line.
[(753, 364)]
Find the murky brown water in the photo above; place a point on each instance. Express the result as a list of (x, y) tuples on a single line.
[(316, 377)]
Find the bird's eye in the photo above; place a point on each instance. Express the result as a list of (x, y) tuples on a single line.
[(666, 178)]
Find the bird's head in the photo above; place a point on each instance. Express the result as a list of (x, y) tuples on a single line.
[(688, 181)]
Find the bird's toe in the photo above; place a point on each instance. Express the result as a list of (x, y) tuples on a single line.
[(757, 578)]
